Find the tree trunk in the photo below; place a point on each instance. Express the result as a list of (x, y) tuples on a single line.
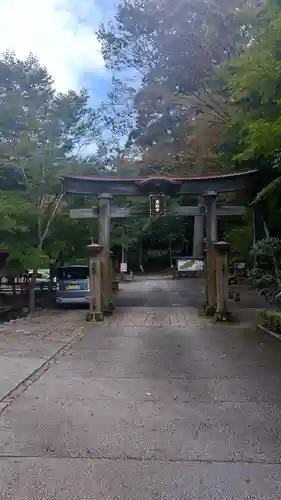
[(141, 258), (44, 234), (276, 266), (171, 256)]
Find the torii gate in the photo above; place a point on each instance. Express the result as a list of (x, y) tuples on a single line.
[(205, 213)]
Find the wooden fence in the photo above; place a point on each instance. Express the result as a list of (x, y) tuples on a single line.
[(14, 295)]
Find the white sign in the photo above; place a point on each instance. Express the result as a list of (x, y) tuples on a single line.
[(82, 213), (123, 267), (190, 265)]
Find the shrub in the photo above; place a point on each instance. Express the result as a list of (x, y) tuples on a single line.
[(271, 319)]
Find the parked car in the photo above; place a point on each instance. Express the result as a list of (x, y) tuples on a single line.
[(72, 285)]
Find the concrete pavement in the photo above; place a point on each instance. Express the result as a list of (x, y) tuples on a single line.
[(154, 403), (148, 292)]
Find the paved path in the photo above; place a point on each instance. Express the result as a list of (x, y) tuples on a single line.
[(157, 403), (161, 293)]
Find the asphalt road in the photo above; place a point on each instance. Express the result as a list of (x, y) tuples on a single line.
[(156, 403)]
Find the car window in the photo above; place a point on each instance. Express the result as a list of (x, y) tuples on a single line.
[(73, 273)]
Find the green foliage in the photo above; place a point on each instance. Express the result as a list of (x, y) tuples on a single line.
[(25, 257), (207, 97), (268, 247), (261, 277), (41, 135), (266, 257), (168, 232), (252, 80), (175, 52), (240, 239)]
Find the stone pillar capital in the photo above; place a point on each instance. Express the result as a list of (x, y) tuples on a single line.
[(222, 247), (105, 196), (209, 197), (94, 249)]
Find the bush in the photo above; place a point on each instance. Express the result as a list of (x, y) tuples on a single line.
[(271, 320), (267, 256)]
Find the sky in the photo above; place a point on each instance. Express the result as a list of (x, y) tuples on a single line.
[(61, 33)]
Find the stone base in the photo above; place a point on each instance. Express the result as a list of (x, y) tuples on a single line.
[(89, 316), (99, 317), (209, 310), (223, 317), (111, 306), (108, 311)]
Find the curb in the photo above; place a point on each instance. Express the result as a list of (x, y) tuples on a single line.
[(269, 332)]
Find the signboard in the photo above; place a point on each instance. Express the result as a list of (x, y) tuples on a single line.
[(190, 265), (123, 267), (157, 204)]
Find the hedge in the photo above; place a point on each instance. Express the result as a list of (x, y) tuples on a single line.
[(271, 320)]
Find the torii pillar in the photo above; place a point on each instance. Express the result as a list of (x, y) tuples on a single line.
[(210, 201), (104, 240), (199, 230)]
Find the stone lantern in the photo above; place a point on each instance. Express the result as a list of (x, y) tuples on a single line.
[(95, 279), (222, 313)]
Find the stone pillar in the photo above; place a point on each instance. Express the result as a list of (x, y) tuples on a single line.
[(210, 200), (222, 313), (199, 231), (95, 252), (104, 240), (111, 277)]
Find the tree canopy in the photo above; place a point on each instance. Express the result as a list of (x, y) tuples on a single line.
[(41, 135), (207, 97), (195, 89), (176, 52)]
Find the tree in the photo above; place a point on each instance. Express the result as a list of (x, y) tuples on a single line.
[(256, 124), (259, 105), (41, 136), (176, 52), (147, 35)]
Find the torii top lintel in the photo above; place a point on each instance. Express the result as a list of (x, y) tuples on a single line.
[(169, 185)]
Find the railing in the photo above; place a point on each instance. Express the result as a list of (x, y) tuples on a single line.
[(14, 294)]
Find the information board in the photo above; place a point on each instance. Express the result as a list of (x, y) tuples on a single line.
[(189, 264)]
